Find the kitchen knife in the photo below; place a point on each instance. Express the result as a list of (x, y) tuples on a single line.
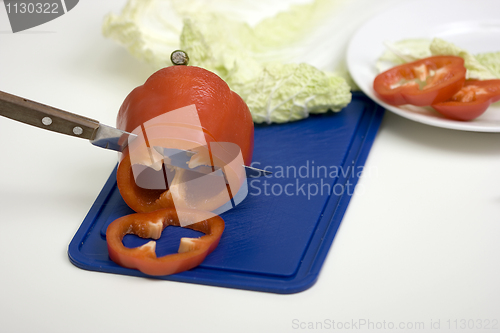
[(52, 119)]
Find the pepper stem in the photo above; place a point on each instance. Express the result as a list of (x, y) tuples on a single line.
[(179, 57)]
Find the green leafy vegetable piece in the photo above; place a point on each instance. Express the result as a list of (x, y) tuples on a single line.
[(254, 59), (482, 66), (475, 70)]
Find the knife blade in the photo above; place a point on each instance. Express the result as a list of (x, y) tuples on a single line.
[(181, 158), (57, 120)]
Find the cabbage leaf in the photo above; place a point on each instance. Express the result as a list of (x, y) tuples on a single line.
[(253, 58), (481, 66)]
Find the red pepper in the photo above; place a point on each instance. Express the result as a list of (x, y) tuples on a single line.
[(224, 122), (423, 82), (224, 117), (192, 251), (471, 101)]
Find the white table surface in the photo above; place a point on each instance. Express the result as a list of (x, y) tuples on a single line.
[(418, 246)]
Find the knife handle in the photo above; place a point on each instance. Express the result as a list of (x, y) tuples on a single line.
[(46, 117)]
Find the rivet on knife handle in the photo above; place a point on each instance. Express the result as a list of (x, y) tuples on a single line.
[(46, 117)]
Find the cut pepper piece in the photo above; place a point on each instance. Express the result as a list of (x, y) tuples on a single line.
[(223, 117), (192, 251), (422, 82), (185, 108), (471, 101)]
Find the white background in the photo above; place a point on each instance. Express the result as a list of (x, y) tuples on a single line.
[(418, 244)]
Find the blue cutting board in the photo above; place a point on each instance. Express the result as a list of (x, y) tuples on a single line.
[(277, 239)]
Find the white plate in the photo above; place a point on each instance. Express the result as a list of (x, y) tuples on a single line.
[(473, 26)]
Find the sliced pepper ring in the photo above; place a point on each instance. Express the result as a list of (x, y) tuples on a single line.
[(191, 253), (471, 101), (422, 82)]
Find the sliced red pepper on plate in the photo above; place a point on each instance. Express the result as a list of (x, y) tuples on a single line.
[(423, 82), (192, 251), (471, 101)]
